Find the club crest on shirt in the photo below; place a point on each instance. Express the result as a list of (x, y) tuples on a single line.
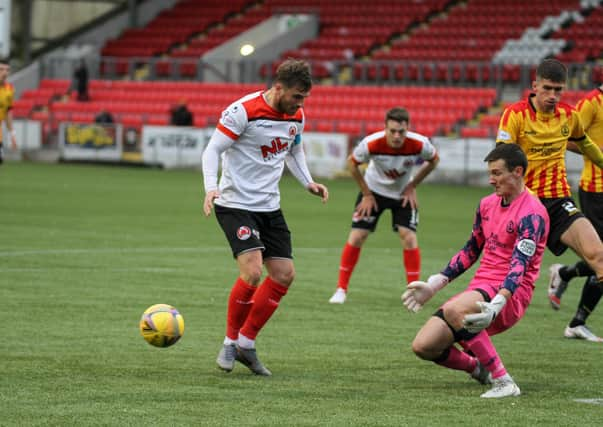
[(565, 130), (510, 227), (244, 232), (292, 131)]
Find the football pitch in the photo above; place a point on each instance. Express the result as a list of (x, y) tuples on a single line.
[(84, 249)]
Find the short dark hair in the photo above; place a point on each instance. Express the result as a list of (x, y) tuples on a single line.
[(294, 73), (512, 154), (553, 70), (397, 114), (4, 60)]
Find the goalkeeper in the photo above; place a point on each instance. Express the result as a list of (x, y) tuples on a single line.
[(510, 229)]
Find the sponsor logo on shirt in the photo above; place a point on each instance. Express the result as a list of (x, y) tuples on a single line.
[(276, 146), (503, 135), (394, 173), (527, 247)]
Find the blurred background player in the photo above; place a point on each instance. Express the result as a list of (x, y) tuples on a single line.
[(391, 155), (256, 135), (6, 104), (590, 194), (543, 126), (510, 229)]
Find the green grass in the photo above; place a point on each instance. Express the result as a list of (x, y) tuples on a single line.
[(85, 249)]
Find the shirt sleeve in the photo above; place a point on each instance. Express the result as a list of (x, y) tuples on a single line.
[(508, 128), (361, 153), (470, 253), (296, 162), (210, 161), (428, 152), (233, 121), (531, 230), (586, 112)]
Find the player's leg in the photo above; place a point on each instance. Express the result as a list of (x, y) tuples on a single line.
[(1, 150), (591, 295), (238, 227), (582, 237), (405, 221), (349, 258), (435, 341), (560, 276), (591, 203), (361, 228), (281, 272)]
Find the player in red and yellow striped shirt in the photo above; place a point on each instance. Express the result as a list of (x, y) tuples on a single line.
[(542, 126), (590, 109), (6, 103)]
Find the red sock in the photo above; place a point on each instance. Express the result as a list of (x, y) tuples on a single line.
[(412, 264), (458, 360), (265, 303), (349, 258), (239, 304)]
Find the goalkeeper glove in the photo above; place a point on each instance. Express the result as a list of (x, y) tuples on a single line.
[(477, 322), (418, 293)]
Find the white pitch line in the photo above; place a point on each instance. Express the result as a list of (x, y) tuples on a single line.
[(595, 401), (98, 269), (202, 249)]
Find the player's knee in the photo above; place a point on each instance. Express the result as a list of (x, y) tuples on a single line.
[(252, 275), (284, 277), (423, 349)]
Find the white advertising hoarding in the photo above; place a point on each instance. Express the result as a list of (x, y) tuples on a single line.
[(326, 153), (173, 146)]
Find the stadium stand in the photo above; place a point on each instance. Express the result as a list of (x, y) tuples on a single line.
[(435, 57)]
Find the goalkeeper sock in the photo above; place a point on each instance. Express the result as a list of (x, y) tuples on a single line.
[(453, 358), (239, 304), (484, 350), (265, 302), (412, 264), (349, 258)]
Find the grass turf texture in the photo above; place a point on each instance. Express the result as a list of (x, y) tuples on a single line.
[(85, 249)]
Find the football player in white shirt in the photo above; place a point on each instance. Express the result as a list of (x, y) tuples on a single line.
[(256, 136), (391, 154)]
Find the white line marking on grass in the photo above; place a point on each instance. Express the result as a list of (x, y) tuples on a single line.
[(596, 401), (27, 252), (18, 253), (127, 270)]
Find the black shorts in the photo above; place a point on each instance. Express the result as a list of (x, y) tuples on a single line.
[(562, 213), (401, 216), (592, 207), (246, 231)]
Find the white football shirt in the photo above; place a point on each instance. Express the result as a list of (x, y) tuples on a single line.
[(253, 165), (389, 169)]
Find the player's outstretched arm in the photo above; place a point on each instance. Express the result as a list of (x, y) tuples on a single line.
[(418, 292)]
